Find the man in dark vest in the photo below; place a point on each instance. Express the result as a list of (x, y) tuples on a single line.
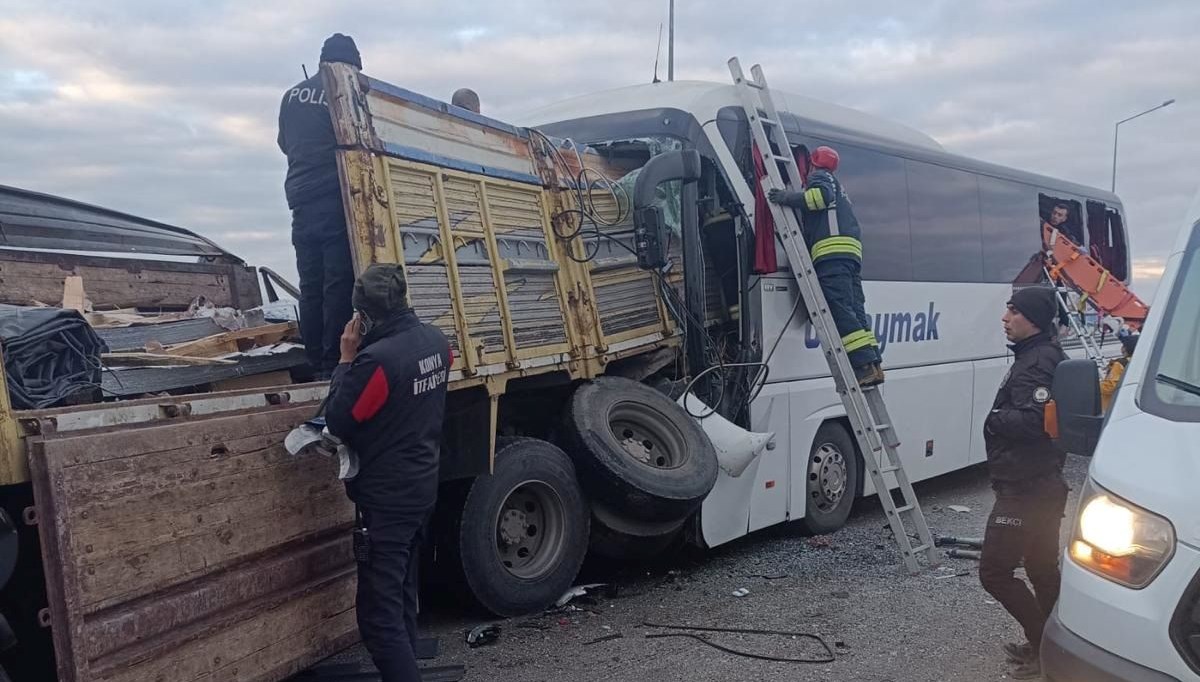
[(314, 195)]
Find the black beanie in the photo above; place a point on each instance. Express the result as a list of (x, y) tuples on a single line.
[(380, 291), (1038, 304), (341, 48)]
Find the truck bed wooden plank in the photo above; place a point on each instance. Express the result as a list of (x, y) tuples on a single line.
[(193, 549), (34, 276)]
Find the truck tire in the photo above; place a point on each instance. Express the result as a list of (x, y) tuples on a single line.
[(618, 539), (638, 453), (523, 532), (832, 482)]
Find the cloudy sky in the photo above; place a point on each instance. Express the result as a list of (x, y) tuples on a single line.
[(168, 109)]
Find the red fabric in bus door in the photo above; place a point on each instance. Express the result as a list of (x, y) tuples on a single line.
[(764, 224)]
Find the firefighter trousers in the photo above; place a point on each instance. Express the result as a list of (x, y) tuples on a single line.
[(841, 281)]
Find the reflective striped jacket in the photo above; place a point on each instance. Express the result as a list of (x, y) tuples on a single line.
[(830, 228)]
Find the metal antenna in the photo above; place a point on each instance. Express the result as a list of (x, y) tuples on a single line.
[(657, 54)]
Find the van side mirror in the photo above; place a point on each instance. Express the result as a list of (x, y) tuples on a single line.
[(1077, 400), (649, 227)]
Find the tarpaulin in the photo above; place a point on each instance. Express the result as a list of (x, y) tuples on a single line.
[(50, 355)]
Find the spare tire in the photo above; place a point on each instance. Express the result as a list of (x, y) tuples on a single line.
[(637, 452), (618, 539)]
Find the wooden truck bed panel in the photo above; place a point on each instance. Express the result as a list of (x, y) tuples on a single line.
[(197, 549)]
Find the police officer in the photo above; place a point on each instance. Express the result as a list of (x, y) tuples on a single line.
[(1025, 466), (833, 237), (386, 401), (318, 219)]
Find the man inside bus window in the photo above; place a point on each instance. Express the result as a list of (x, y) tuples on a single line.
[(1060, 217), (1025, 466), (314, 195), (832, 234)]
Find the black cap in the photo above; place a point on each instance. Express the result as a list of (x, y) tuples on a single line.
[(466, 98), (341, 48), (380, 291), (1038, 304), (1129, 343)]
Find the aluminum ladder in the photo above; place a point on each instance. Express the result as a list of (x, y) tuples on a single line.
[(873, 429), (1069, 300)]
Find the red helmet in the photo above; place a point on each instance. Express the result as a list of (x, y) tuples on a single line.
[(825, 157)]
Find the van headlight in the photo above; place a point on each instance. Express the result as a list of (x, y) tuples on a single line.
[(1119, 540)]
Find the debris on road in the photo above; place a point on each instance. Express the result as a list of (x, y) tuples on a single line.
[(577, 591), (482, 635), (961, 509), (605, 638), (828, 657), (950, 541), (964, 554), (741, 592)]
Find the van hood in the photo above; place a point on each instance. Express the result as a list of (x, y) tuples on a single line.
[(1155, 464)]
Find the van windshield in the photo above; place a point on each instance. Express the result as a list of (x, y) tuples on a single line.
[(1176, 367)]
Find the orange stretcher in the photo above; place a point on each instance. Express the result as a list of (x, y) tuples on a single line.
[(1066, 261)]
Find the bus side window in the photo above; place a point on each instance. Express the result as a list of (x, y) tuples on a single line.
[(876, 186), (1010, 237), (943, 208)]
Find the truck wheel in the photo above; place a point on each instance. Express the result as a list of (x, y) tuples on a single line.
[(639, 453), (832, 481), (524, 529), (619, 539)]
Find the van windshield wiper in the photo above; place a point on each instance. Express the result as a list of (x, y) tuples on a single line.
[(1185, 386)]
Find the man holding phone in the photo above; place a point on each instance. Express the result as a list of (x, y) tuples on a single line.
[(387, 401)]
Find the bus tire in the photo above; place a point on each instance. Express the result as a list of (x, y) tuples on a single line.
[(523, 531), (618, 539), (834, 469), (638, 452)]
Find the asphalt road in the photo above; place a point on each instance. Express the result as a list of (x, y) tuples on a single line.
[(882, 625)]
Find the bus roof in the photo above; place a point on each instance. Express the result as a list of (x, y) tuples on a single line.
[(705, 100), (705, 97)]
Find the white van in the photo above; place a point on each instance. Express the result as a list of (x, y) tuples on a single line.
[(1130, 603)]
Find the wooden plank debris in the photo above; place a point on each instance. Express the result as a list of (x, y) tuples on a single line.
[(158, 360), (236, 341), (73, 297)]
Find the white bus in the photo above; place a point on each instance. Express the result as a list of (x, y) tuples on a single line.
[(945, 240)]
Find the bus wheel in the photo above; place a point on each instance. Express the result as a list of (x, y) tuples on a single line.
[(618, 539), (524, 529), (832, 481), (638, 452)]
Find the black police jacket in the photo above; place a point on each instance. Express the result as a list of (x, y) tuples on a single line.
[(1018, 447), (388, 406), (306, 138)]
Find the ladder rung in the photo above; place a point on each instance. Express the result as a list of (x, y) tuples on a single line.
[(905, 508), (883, 427), (919, 548), (767, 121), (888, 470)]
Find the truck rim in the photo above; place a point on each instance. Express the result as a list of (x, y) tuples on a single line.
[(646, 436), (827, 476), (530, 530)]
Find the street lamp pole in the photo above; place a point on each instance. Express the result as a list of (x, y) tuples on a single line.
[(1117, 131)]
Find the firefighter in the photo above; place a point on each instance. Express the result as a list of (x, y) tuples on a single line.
[(386, 402), (832, 234), (1116, 368), (314, 196), (1025, 467), (466, 98)]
